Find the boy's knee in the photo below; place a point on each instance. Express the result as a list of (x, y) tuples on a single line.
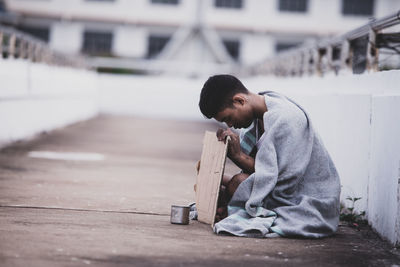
[(235, 182)]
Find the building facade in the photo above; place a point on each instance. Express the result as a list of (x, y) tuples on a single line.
[(200, 34)]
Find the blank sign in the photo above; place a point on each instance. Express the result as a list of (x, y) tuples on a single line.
[(209, 178)]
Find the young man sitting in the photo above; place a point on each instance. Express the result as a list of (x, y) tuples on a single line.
[(288, 185)]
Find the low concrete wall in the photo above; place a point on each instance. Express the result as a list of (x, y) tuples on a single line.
[(384, 179), (161, 96), (36, 98)]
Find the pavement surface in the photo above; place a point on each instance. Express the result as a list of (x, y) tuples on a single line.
[(116, 211)]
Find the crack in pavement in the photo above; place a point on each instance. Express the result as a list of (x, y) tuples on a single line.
[(85, 210)]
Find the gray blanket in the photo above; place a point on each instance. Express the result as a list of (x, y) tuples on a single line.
[(295, 188)]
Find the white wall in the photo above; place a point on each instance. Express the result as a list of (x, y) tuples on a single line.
[(256, 47), (384, 180), (121, 11), (130, 41), (323, 17), (36, 98), (66, 37), (161, 96)]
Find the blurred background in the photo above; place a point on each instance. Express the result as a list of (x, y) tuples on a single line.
[(185, 37), (66, 61)]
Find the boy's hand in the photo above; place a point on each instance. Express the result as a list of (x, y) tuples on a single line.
[(198, 167), (243, 161), (233, 145)]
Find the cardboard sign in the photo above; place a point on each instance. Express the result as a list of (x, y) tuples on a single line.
[(209, 177)]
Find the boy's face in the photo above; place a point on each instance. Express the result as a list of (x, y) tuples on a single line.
[(238, 116)]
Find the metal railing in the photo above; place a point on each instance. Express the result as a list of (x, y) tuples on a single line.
[(357, 50), (17, 45)]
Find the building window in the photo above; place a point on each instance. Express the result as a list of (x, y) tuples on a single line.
[(358, 7), (97, 43), (233, 48), (229, 3), (282, 46), (165, 2), (39, 32), (2, 7), (293, 5), (156, 44)]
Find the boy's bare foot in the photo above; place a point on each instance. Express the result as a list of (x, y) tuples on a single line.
[(223, 200)]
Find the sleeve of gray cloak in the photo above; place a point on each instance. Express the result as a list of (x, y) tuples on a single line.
[(284, 152), (294, 178)]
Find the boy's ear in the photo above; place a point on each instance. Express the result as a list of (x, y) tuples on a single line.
[(239, 99)]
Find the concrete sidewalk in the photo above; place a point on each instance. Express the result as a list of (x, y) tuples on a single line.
[(115, 212)]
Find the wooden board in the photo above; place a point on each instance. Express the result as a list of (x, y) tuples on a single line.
[(209, 177)]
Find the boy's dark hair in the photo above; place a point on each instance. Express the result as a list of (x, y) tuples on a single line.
[(217, 93)]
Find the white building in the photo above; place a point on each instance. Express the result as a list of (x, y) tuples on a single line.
[(199, 34)]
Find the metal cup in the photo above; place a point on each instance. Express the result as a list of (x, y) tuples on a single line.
[(180, 214)]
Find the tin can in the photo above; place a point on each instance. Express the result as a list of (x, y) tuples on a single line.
[(180, 214)]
